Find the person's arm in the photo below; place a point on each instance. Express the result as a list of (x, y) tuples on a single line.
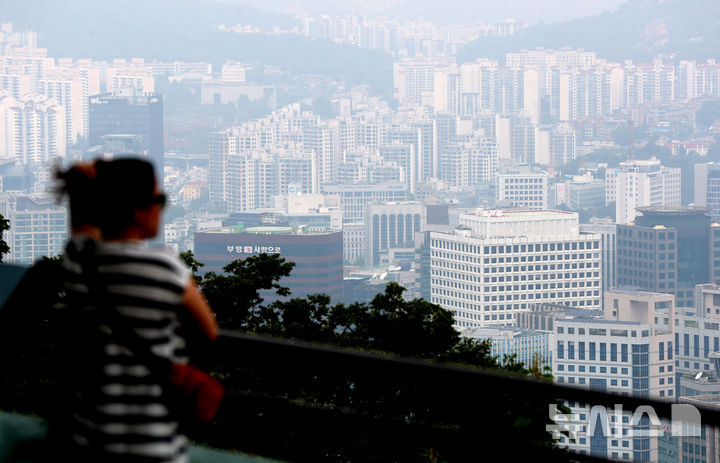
[(194, 301)]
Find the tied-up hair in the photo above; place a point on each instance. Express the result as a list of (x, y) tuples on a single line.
[(78, 183), (108, 195)]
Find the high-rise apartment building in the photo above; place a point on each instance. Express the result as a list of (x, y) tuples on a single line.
[(648, 83), (414, 79), (522, 140), (32, 129), (69, 91), (562, 144), (697, 79), (468, 161), (496, 263), (640, 183)]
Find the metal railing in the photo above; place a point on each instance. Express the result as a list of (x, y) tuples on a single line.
[(297, 401)]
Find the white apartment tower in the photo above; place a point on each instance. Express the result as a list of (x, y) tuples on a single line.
[(562, 144), (414, 79), (641, 183), (32, 129)]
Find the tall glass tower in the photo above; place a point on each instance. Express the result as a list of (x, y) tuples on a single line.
[(130, 115)]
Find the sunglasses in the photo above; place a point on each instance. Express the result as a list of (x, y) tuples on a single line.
[(159, 199)]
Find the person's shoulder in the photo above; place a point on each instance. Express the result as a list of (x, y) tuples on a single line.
[(137, 253), (170, 260)]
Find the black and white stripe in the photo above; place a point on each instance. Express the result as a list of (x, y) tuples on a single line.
[(120, 406)]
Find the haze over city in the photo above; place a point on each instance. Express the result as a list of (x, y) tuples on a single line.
[(545, 173)]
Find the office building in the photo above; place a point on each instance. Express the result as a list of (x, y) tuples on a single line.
[(630, 351), (354, 198), (390, 227), (129, 112), (496, 263), (38, 228), (669, 250), (697, 332), (318, 256), (707, 187), (543, 315), (524, 188), (529, 347), (584, 192), (608, 233)]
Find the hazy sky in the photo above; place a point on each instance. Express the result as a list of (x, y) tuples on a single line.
[(449, 11)]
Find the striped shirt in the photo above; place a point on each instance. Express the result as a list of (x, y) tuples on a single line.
[(121, 409)]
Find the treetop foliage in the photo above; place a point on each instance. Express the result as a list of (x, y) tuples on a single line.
[(389, 323)]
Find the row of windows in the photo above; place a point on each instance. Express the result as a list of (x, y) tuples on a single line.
[(623, 231), (521, 180), (454, 269), (515, 248), (505, 307), (457, 265), (592, 369), (509, 278), (516, 297), (599, 351), (695, 345), (603, 332), (567, 284), (582, 380), (537, 258)]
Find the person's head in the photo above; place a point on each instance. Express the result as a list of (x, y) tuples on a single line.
[(129, 197)]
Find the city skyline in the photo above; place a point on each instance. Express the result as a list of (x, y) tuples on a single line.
[(562, 200)]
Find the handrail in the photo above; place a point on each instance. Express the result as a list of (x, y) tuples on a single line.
[(319, 400)]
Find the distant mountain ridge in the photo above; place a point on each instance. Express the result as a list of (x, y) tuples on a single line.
[(102, 29), (639, 30), (183, 30)]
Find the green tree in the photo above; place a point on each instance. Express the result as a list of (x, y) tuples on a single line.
[(708, 113), (388, 323), (235, 295), (4, 226), (188, 257)]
